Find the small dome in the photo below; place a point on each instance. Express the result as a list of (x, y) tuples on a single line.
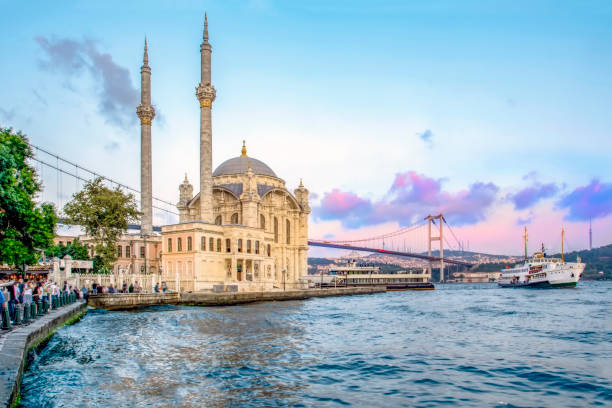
[(240, 165)]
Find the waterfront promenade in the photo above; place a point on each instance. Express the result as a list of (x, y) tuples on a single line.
[(14, 346), (121, 301)]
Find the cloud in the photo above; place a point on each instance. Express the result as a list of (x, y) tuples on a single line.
[(348, 207), (7, 114), (111, 146), (530, 196), (532, 175), (426, 136), (520, 221), (117, 96), (591, 201), (410, 198)]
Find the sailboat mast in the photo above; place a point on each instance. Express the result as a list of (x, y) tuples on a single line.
[(562, 248), (525, 239)]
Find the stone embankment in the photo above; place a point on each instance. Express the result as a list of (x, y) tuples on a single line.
[(120, 301), (14, 347)]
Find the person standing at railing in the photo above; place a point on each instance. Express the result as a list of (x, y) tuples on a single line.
[(27, 294)]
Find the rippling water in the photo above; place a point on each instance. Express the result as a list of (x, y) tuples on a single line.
[(465, 345)]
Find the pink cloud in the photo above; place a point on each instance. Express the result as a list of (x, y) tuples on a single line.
[(411, 197), (591, 201)]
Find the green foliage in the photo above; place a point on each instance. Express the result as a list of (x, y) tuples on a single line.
[(104, 213), (492, 267), (98, 265), (24, 226), (76, 250)]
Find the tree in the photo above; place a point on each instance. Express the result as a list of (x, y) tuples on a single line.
[(24, 227), (104, 213), (76, 250)]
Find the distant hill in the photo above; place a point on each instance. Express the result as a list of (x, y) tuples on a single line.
[(385, 268), (596, 259)]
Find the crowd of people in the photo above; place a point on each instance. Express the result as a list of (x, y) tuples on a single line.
[(20, 293), (132, 287)]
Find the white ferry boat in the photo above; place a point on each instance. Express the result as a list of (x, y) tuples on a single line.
[(540, 271), (355, 275)]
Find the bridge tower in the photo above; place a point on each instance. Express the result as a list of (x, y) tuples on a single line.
[(430, 219)]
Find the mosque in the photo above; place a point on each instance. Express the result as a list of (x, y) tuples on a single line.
[(244, 230)]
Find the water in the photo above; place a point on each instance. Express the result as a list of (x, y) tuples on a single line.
[(462, 345)]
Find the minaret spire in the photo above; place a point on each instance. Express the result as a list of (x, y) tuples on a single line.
[(145, 59), (206, 94), (146, 113), (205, 28)]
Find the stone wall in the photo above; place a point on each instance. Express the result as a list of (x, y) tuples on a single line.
[(132, 300)]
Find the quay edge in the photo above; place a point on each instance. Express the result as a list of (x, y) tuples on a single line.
[(18, 342), (123, 301)]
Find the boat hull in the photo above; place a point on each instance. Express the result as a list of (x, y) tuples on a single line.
[(539, 285)]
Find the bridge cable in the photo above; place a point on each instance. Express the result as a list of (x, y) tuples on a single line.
[(86, 181), (96, 174)]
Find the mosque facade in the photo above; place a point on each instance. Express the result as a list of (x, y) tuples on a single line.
[(244, 230)]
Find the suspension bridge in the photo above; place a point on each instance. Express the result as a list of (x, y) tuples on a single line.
[(424, 240)]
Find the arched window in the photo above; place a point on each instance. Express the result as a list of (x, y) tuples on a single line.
[(127, 251), (234, 218), (269, 250), (179, 244), (218, 220), (119, 251), (218, 244), (169, 247), (203, 244), (288, 231), (211, 244), (228, 245), (275, 229), (262, 222), (248, 246), (189, 247), (239, 244)]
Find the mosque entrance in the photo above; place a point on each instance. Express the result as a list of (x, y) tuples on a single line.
[(239, 270)]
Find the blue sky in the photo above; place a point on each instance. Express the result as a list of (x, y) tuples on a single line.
[(351, 96)]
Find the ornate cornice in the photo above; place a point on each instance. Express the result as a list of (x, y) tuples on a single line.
[(146, 113), (206, 94)]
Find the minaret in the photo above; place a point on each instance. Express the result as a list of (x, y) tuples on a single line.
[(146, 113), (590, 234), (205, 93)]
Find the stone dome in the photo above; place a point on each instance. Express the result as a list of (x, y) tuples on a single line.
[(240, 165)]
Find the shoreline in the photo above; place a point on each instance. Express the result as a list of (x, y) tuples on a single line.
[(125, 301), (18, 342)]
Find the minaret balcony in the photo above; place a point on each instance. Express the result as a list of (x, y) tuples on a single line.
[(146, 113), (206, 94)]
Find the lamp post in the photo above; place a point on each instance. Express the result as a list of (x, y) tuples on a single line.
[(284, 271)]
